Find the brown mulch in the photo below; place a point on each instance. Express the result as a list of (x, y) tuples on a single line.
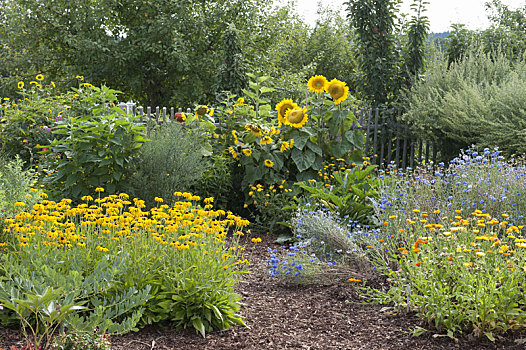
[(323, 316)]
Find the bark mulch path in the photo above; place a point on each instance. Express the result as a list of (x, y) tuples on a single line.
[(328, 315)]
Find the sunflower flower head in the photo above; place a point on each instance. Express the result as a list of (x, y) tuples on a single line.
[(256, 130), (266, 140), (338, 90), (296, 117), (317, 83), (20, 84), (282, 109), (269, 163), (39, 77)]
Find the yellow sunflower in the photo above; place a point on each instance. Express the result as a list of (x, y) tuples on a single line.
[(338, 90), (296, 117), (256, 130), (39, 77), (266, 140), (247, 152), (283, 107), (20, 84), (284, 146), (202, 110), (317, 83), (269, 163)]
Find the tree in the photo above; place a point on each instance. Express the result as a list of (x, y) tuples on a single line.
[(389, 57), (374, 24), (231, 71), (156, 51)]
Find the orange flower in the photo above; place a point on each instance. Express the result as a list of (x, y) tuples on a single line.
[(417, 243), (418, 263), (354, 280)]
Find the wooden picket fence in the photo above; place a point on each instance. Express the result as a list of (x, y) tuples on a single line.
[(389, 142)]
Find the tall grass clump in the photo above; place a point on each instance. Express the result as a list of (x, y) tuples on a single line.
[(171, 161), (454, 244)]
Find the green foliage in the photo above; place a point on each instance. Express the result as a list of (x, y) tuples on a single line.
[(385, 70), (231, 75), (216, 180), (44, 308), (92, 149), (374, 22), (348, 194), (27, 122), (505, 35), (81, 296), (170, 44), (173, 160), (476, 101), (417, 35), (16, 185)]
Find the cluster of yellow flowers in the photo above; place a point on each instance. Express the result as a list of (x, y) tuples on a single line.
[(289, 113), (104, 224)]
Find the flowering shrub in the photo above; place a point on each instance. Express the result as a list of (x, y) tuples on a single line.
[(177, 259), (26, 123), (295, 142), (454, 246), (271, 203), (92, 148)]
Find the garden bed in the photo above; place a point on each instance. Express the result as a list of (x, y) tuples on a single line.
[(324, 316)]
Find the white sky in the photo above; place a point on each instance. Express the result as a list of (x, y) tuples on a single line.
[(441, 13)]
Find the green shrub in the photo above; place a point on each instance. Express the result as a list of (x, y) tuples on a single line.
[(173, 160), (216, 180), (93, 143), (16, 185), (475, 101)]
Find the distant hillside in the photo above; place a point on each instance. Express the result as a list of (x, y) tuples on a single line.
[(442, 35)]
